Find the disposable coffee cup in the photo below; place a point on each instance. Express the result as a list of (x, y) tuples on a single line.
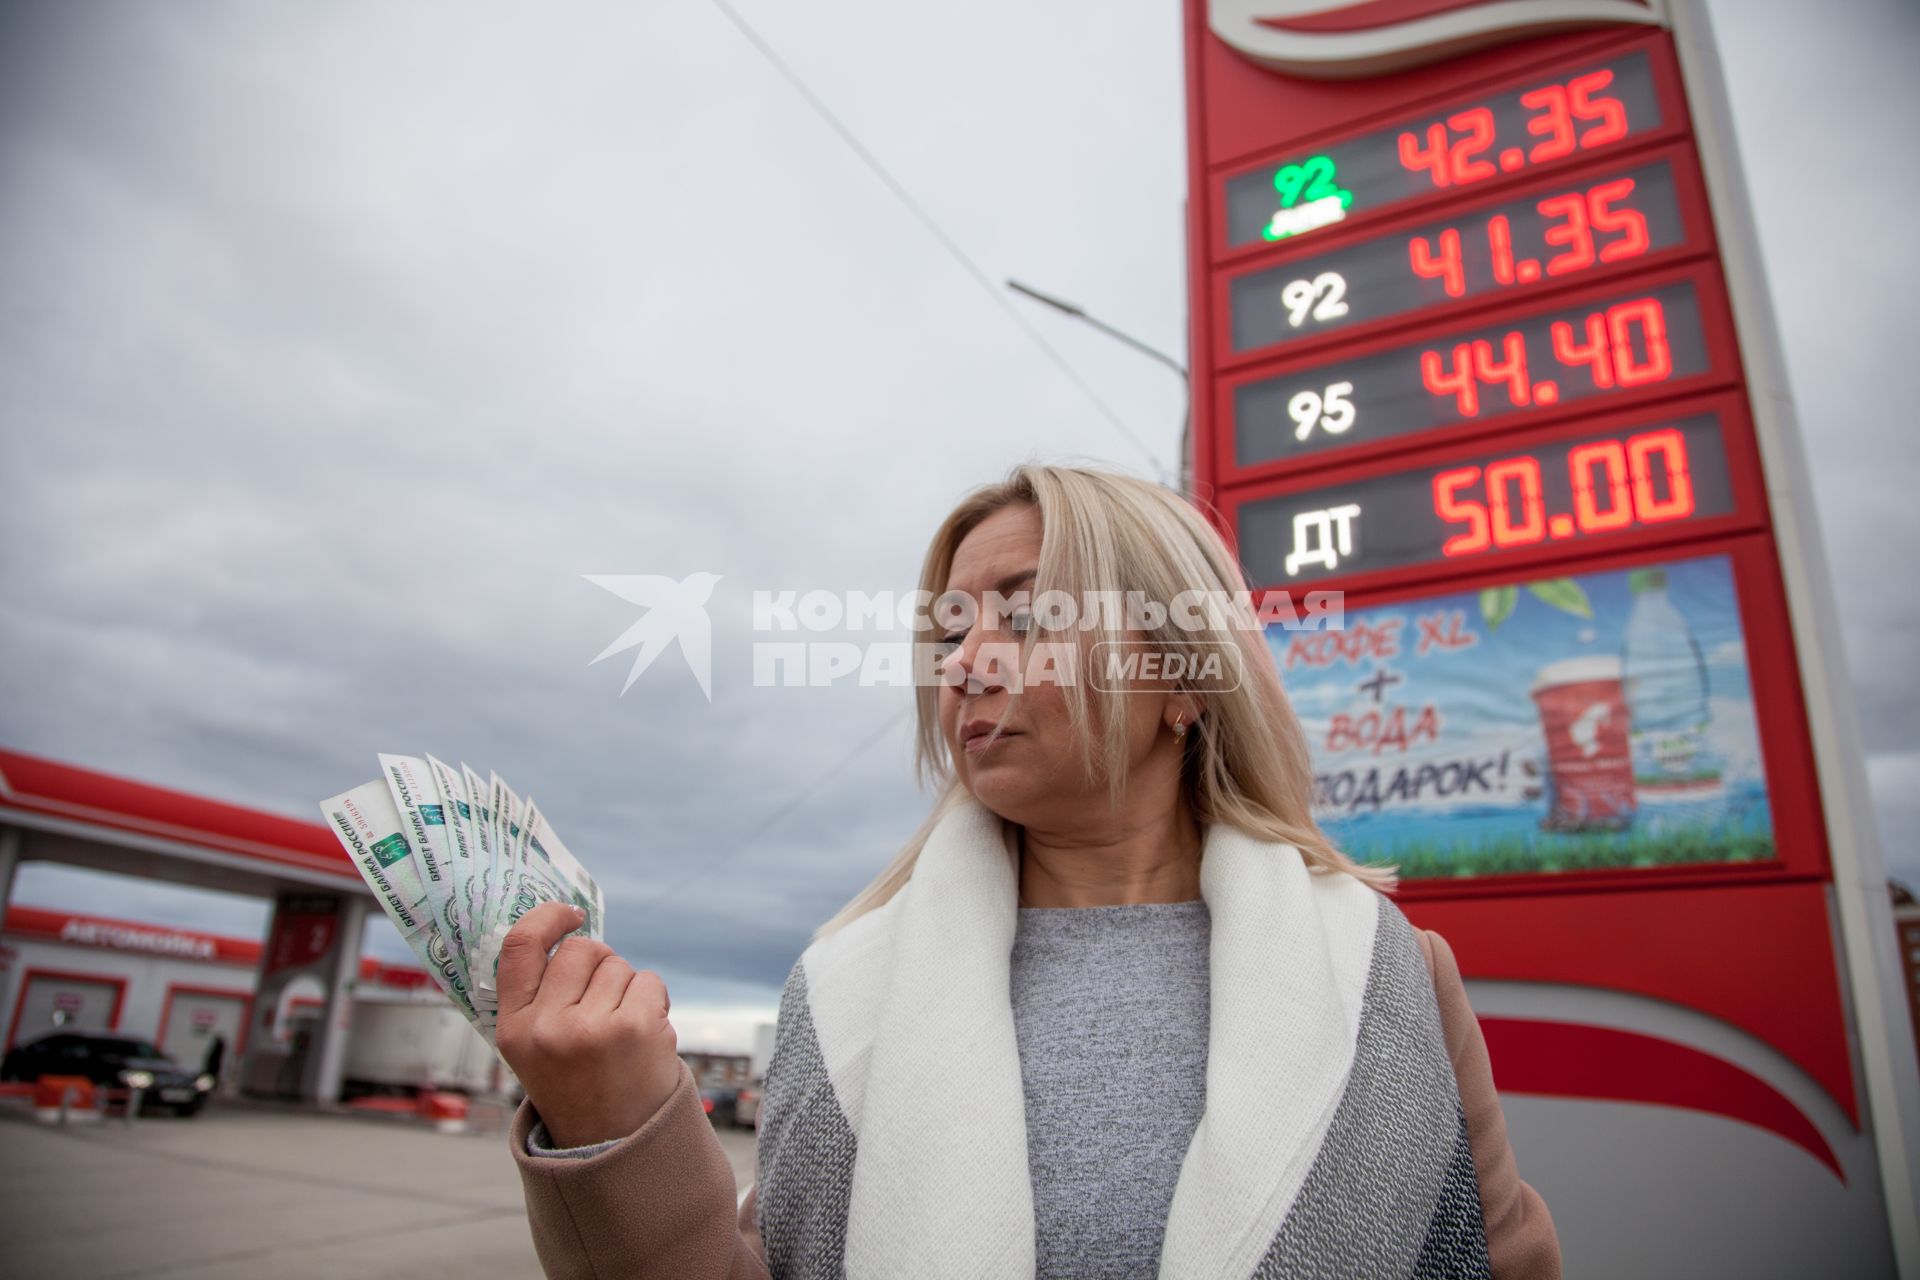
[(1583, 714)]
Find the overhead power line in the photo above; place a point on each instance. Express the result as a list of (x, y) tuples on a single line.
[(751, 837), (933, 228)]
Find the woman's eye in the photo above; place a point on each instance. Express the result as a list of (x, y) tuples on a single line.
[(1020, 621)]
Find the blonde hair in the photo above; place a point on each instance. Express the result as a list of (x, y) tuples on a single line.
[(1247, 762)]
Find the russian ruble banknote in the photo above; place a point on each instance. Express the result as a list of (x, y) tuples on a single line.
[(455, 860)]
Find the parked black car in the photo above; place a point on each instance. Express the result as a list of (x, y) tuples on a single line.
[(114, 1062), (722, 1105)]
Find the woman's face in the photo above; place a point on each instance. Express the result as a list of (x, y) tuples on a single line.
[(1031, 771)]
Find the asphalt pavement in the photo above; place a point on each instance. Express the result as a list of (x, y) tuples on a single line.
[(244, 1192)]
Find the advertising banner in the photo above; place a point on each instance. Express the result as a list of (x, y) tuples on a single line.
[(1558, 724)]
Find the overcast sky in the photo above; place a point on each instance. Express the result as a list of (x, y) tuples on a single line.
[(337, 342)]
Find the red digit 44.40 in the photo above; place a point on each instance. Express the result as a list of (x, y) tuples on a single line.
[(1605, 345), (1622, 347)]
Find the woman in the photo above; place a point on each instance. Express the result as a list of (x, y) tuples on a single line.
[(1118, 1009)]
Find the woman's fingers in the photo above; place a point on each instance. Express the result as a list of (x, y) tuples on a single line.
[(596, 1059), (608, 984), (569, 972), (646, 997), (523, 954)]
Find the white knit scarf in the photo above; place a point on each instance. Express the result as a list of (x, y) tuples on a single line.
[(911, 1011)]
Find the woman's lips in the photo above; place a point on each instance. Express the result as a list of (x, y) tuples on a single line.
[(978, 736)]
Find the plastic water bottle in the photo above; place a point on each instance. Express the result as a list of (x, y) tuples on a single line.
[(1666, 695)]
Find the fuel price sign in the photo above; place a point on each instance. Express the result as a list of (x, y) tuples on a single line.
[(1635, 339), (1579, 228), (1549, 118), (1662, 476), (1475, 302)]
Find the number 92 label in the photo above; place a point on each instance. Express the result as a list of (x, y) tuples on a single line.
[(1315, 301)]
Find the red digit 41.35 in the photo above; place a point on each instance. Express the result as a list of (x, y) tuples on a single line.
[(1579, 221)]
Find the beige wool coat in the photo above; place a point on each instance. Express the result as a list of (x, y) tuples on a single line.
[(661, 1203)]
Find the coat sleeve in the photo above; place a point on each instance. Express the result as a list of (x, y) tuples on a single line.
[(656, 1205), (1521, 1241)]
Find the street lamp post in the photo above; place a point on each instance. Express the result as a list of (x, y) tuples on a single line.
[(1080, 313)]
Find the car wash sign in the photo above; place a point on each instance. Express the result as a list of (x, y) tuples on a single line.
[(1479, 338)]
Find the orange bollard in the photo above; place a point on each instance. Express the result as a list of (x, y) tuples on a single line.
[(447, 1111), (58, 1099)]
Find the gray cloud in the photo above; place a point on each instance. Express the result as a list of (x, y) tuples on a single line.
[(337, 342)]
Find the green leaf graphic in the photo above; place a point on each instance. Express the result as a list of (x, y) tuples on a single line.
[(1563, 594), (1496, 605)]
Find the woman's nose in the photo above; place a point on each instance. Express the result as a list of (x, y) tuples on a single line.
[(981, 662)]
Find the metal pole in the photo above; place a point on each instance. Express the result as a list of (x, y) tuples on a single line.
[(329, 1052), (10, 849), (1080, 313), (1869, 949)]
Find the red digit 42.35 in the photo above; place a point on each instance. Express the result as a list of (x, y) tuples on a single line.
[(1570, 117)]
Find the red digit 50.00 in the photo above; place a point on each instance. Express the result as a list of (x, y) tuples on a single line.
[(1614, 487)]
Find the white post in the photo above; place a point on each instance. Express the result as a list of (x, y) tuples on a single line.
[(327, 1058), (1862, 906), (10, 844)]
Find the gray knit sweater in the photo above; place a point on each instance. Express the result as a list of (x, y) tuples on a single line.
[(1110, 1010)]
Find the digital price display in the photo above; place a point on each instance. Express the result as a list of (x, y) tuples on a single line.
[(1565, 492), (1573, 112), (1615, 218), (1637, 339), (1467, 349)]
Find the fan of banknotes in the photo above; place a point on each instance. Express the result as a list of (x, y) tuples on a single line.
[(456, 860)]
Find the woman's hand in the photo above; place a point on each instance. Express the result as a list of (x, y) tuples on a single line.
[(587, 1036)]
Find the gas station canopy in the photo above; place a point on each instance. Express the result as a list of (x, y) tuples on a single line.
[(84, 818)]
